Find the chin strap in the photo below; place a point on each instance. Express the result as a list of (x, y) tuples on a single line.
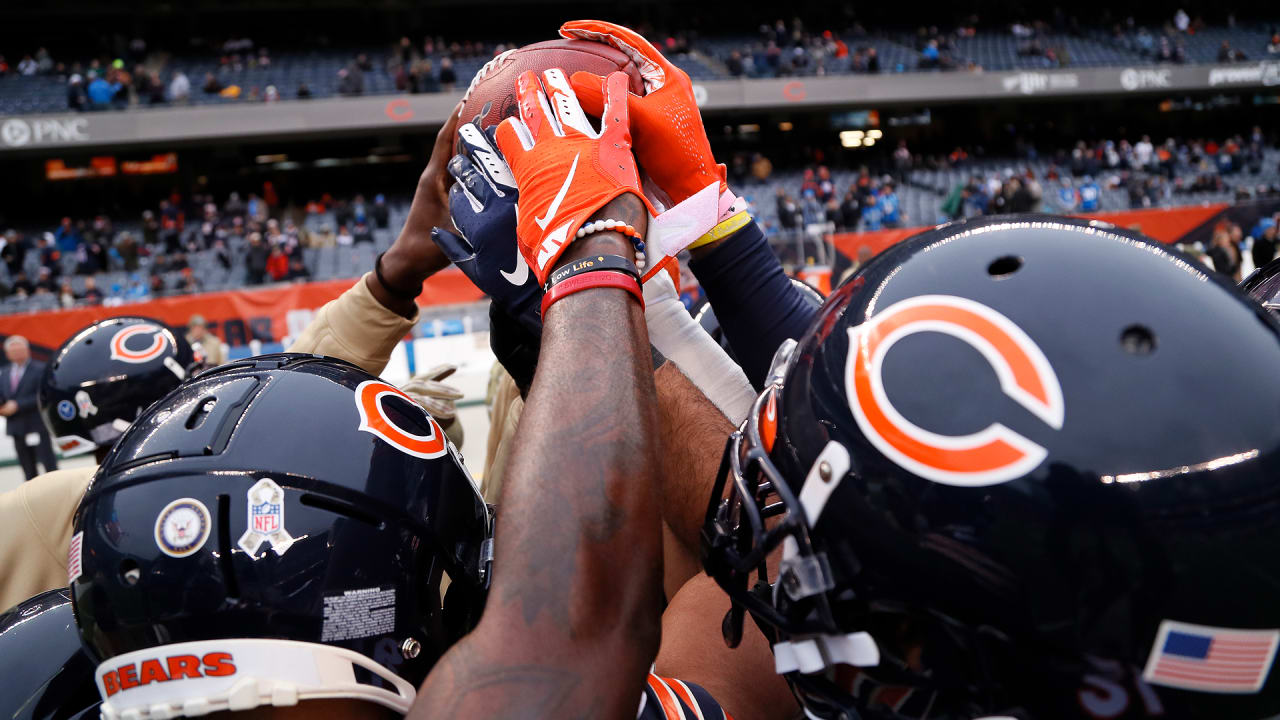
[(197, 678), (818, 652)]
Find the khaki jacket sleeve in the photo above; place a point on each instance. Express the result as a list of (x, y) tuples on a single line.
[(35, 533), (355, 327)]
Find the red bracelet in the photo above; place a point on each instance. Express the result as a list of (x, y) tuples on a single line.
[(586, 281)]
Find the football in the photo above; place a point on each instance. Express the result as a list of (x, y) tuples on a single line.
[(492, 93)]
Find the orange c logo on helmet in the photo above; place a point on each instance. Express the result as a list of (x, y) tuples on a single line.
[(119, 350), (993, 455), (373, 419)]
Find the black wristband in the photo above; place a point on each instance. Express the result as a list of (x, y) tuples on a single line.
[(658, 358), (592, 263), (392, 291)]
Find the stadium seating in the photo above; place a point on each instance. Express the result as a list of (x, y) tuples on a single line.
[(992, 50)]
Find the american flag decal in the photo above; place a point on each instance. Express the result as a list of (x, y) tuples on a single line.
[(1211, 659)]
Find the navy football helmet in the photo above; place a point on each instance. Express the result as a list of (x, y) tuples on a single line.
[(1020, 467), (277, 529), (105, 375), (46, 671), (1263, 285)]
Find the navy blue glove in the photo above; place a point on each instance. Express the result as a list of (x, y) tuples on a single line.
[(482, 203)]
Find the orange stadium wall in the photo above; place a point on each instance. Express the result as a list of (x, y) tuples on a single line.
[(1164, 225), (237, 316)]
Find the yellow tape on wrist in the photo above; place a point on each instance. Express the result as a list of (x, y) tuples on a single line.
[(724, 229)]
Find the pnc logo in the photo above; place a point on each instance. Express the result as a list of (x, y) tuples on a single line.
[(174, 667), (374, 419), (119, 343), (993, 455)]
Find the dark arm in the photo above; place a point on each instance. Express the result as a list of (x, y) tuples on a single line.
[(413, 257), (572, 621), (693, 434), (741, 679), (754, 300)]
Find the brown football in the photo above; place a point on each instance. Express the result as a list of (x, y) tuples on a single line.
[(492, 94)]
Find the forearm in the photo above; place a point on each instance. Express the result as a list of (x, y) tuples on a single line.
[(755, 302), (356, 327), (692, 433), (572, 620)]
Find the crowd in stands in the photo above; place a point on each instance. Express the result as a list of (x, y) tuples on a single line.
[(1170, 42), (240, 69), (154, 255)]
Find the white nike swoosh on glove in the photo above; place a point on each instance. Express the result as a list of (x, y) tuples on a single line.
[(559, 198), (518, 276)]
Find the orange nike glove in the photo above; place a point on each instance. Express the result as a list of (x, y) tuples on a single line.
[(565, 170), (670, 141)]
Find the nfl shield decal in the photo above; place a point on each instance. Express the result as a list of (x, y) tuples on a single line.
[(66, 410), (266, 519), (1211, 659)]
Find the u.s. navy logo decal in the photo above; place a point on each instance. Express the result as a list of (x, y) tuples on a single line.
[(993, 455), (374, 419), (140, 353)]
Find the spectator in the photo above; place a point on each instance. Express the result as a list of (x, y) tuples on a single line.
[(66, 296), (277, 264), (67, 236), (1068, 200), (734, 64), (1090, 195), (381, 215), (44, 62), (929, 56), (761, 168), (811, 208), (256, 259), (788, 212), (850, 211), (350, 81), (27, 66), (902, 161), (204, 343), (298, 270), (13, 252), (304, 92), (212, 86), (1264, 246), (362, 233), (1224, 52), (1181, 20), (1273, 47), (179, 88), (891, 214), (1225, 253), (21, 285), (873, 61), (953, 204), (92, 295), (102, 93), (448, 77), (77, 98), (344, 236), (18, 389)]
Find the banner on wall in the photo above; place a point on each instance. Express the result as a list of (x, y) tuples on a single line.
[(1166, 225), (236, 316)]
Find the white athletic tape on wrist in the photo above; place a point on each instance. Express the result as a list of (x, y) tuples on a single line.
[(196, 678), (675, 228), (683, 341)]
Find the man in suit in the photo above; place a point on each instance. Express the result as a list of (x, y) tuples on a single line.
[(19, 384)]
